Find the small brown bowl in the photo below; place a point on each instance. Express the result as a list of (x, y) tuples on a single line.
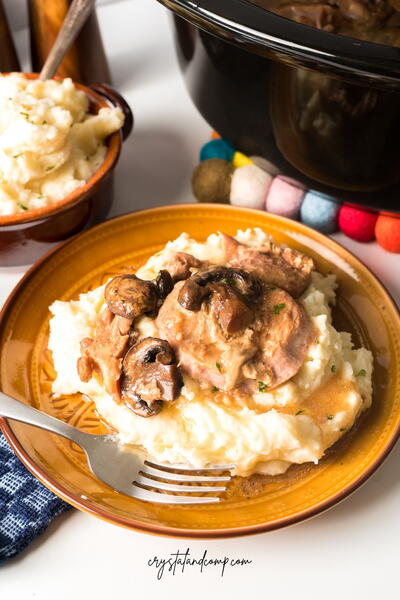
[(24, 237)]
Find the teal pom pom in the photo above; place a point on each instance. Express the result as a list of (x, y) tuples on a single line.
[(217, 149), (319, 212)]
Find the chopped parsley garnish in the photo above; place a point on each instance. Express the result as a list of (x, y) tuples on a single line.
[(22, 206), (333, 368), (362, 373), (50, 168), (214, 389), (27, 117), (218, 365), (16, 155), (228, 280), (300, 412), (277, 308), (44, 123), (343, 429), (330, 417), (262, 387), (271, 288)]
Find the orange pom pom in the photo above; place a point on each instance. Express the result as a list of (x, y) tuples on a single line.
[(215, 135), (387, 232)]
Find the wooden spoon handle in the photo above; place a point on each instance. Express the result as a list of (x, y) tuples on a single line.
[(76, 16), (8, 56), (86, 61)]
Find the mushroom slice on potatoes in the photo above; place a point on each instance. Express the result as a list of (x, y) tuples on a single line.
[(231, 293), (129, 297), (150, 376)]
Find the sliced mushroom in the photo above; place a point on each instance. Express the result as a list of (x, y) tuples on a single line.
[(229, 309), (129, 297), (200, 285), (150, 376), (164, 284)]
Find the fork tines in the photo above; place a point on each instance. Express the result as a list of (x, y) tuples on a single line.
[(173, 475)]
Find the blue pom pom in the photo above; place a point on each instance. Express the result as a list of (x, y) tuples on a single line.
[(319, 212), (217, 149)]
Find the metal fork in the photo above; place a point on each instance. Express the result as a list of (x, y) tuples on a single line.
[(123, 469)]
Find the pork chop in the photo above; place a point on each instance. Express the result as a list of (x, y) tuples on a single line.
[(270, 348), (272, 264), (104, 352), (180, 265)]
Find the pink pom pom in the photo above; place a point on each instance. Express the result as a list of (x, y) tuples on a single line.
[(285, 197), (357, 224)]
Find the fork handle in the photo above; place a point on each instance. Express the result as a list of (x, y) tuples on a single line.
[(13, 409)]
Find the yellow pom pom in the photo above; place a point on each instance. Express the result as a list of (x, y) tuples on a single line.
[(241, 160)]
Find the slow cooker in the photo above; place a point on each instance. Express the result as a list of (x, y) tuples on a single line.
[(323, 108)]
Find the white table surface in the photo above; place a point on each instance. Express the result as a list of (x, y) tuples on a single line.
[(350, 551)]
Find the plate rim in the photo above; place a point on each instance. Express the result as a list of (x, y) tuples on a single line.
[(165, 530)]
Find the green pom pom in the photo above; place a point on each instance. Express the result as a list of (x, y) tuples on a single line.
[(211, 180)]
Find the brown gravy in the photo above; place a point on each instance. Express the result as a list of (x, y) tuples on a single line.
[(328, 399)]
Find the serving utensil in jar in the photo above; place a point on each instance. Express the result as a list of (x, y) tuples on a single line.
[(86, 61), (123, 469), (77, 14)]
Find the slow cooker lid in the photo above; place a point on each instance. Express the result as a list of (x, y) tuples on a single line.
[(258, 29)]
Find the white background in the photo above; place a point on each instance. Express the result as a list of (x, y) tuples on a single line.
[(352, 551)]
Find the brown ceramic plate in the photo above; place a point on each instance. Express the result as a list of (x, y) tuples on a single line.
[(257, 503)]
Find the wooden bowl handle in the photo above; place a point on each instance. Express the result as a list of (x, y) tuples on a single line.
[(115, 99)]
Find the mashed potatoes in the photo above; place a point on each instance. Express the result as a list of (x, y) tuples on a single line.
[(49, 144), (293, 423)]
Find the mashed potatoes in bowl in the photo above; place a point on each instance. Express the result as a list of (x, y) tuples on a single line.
[(50, 142), (254, 372)]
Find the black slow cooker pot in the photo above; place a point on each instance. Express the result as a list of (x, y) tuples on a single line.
[(324, 108)]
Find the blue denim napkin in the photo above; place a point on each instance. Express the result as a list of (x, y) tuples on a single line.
[(26, 506)]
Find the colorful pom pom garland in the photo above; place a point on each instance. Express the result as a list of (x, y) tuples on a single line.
[(226, 175)]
